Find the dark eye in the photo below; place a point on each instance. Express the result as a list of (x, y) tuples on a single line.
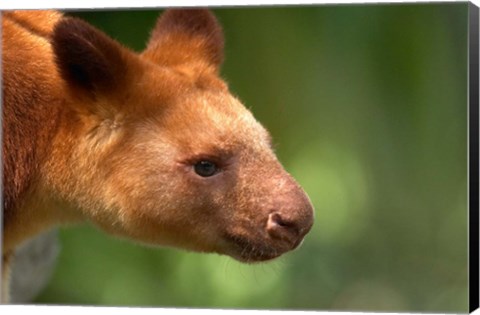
[(205, 168)]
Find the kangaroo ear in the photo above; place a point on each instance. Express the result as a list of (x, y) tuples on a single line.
[(184, 36), (87, 58)]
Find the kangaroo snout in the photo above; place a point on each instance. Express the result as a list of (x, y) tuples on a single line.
[(290, 225)]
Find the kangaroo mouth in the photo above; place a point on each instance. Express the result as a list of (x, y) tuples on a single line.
[(249, 251)]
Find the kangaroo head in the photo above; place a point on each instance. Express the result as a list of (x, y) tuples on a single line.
[(158, 150)]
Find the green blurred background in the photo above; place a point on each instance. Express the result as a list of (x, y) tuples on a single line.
[(367, 107)]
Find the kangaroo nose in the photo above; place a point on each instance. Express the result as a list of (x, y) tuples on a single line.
[(279, 227)]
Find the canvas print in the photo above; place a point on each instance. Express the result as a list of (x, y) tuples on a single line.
[(298, 157)]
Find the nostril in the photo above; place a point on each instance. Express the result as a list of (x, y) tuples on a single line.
[(278, 220), (277, 224)]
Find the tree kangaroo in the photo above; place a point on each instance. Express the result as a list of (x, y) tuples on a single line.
[(149, 146)]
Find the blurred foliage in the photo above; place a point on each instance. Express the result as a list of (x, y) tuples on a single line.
[(367, 107)]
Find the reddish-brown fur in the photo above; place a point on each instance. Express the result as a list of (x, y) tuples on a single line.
[(93, 131)]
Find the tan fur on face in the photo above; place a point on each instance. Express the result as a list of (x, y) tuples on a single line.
[(93, 131)]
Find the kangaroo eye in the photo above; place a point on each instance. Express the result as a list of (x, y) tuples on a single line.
[(205, 168)]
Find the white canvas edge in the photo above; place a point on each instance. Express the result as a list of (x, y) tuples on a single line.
[(91, 4)]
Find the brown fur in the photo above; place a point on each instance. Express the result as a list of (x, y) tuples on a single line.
[(93, 131), (27, 90)]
